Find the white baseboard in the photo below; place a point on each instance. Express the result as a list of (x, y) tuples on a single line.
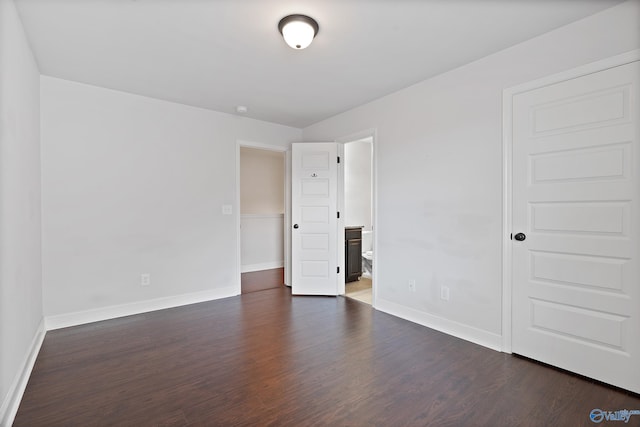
[(262, 266), (449, 327), (9, 407), (114, 311)]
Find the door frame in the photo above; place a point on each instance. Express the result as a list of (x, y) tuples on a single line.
[(260, 146), (357, 136), (507, 168)]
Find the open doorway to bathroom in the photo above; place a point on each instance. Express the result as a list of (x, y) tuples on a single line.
[(358, 210)]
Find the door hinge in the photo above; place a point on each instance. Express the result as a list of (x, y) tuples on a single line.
[(338, 159), (338, 270), (338, 214)]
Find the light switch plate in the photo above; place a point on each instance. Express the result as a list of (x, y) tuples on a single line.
[(227, 209)]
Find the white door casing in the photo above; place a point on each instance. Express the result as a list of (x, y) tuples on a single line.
[(575, 195), (287, 219), (340, 253), (369, 134), (314, 231)]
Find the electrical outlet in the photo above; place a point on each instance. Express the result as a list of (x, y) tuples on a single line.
[(444, 293), (412, 285), (145, 279)]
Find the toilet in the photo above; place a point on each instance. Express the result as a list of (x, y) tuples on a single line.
[(367, 253)]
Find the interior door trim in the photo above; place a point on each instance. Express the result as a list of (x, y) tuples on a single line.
[(356, 136), (507, 170)]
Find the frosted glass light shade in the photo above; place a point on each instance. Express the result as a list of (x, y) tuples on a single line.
[(298, 31), (298, 34)]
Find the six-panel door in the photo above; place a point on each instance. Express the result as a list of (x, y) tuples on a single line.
[(314, 185), (576, 189)]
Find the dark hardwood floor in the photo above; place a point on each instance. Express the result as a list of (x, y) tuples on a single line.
[(260, 280), (267, 358)]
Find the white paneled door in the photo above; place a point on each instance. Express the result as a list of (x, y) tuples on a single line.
[(576, 191), (314, 233)]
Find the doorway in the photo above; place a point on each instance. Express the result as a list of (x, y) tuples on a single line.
[(358, 219), (261, 223)]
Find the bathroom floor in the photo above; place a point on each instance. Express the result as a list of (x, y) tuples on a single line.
[(360, 290)]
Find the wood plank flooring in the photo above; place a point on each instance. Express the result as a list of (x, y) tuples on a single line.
[(269, 358), (260, 280)]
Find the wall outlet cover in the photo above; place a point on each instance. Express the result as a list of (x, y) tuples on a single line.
[(145, 279)]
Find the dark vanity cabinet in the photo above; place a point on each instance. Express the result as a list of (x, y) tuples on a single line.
[(352, 253)]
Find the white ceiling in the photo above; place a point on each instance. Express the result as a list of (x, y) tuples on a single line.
[(217, 54)]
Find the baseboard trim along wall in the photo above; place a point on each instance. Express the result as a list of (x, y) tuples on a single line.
[(9, 407), (262, 266), (115, 311), (450, 327)]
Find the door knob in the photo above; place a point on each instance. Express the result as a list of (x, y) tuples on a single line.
[(520, 237), (295, 225)]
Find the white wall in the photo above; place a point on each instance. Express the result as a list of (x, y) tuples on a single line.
[(262, 241), (262, 207), (357, 183), (135, 185), (20, 262), (261, 181), (439, 166)]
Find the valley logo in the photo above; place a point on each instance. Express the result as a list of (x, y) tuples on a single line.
[(598, 415)]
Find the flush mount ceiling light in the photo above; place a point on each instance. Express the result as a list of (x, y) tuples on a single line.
[(298, 30)]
